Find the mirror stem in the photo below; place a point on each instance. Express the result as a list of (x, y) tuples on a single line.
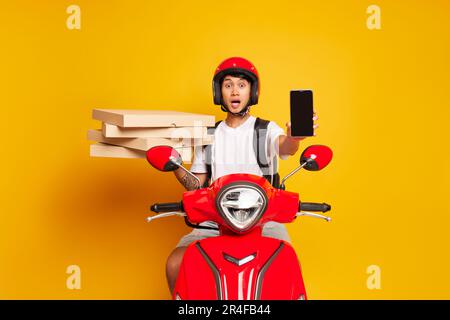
[(282, 186), (186, 170)]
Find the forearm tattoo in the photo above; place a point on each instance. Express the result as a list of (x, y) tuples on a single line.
[(189, 182)]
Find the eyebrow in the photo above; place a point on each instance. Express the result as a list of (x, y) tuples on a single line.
[(240, 79)]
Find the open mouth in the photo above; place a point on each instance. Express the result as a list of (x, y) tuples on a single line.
[(235, 103)]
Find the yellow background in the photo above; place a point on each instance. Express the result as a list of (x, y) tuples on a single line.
[(381, 96)]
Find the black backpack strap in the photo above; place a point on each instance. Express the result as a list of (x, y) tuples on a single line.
[(259, 142), (260, 147), (208, 154)]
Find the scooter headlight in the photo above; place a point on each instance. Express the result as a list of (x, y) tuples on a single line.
[(241, 205)]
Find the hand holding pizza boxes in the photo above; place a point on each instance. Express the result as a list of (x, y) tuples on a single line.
[(130, 133)]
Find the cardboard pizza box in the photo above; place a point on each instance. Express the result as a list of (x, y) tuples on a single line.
[(113, 131), (134, 143), (110, 151), (146, 143), (152, 118)]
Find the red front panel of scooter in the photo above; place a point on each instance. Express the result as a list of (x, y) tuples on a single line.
[(195, 279), (240, 268), (283, 279), (200, 205)]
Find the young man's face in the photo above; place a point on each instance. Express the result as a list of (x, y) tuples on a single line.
[(235, 93)]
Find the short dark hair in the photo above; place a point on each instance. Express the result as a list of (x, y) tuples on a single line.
[(237, 75)]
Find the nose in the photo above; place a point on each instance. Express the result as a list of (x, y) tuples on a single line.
[(235, 90)]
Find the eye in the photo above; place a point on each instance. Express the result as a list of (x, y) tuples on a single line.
[(242, 85)]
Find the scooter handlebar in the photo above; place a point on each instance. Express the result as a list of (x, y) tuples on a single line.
[(167, 207), (311, 206)]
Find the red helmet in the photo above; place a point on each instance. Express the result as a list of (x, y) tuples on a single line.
[(236, 65)]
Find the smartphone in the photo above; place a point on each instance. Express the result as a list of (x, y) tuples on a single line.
[(302, 113)]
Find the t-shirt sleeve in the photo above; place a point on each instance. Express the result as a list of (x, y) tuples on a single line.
[(199, 162), (274, 131)]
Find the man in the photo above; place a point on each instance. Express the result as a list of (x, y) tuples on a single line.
[(236, 87)]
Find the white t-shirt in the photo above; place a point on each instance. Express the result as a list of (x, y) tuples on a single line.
[(232, 150)]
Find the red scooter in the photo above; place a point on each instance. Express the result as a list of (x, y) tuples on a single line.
[(240, 264)]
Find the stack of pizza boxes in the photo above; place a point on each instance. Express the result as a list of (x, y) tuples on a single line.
[(130, 133)]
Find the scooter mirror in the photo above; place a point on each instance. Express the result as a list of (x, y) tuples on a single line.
[(164, 158), (316, 157)]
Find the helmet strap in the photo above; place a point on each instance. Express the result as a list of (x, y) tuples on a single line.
[(241, 113)]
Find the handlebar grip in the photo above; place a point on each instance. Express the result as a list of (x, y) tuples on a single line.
[(167, 207), (311, 206)]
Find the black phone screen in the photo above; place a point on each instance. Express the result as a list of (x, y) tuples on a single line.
[(302, 113)]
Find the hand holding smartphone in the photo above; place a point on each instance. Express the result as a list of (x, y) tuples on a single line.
[(302, 113)]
